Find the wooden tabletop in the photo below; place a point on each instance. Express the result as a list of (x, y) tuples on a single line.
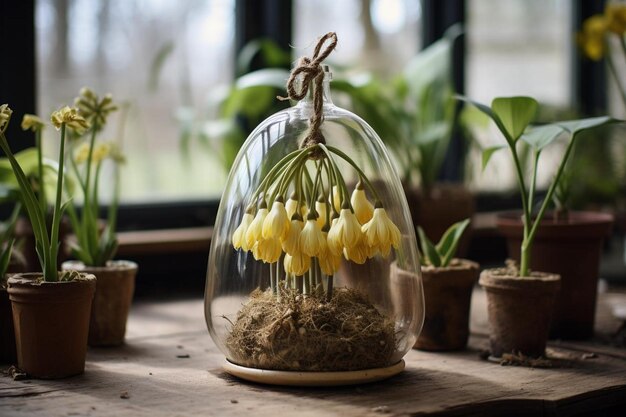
[(170, 367)]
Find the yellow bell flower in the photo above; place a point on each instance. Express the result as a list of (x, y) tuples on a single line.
[(345, 233), (363, 209), (291, 244), (101, 151), (239, 236), (255, 230), (615, 14), (332, 238), (592, 37), (276, 224), (32, 122), (336, 198), (359, 253), (381, 233), (267, 250), (312, 240), (82, 153), (5, 116), (291, 206), (69, 117), (321, 208), (297, 263), (328, 262)]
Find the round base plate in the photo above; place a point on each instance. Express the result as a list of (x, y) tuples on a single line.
[(313, 379)]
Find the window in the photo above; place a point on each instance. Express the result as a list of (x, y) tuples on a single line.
[(162, 60)]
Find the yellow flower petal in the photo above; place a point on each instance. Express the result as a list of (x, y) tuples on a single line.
[(615, 14), (267, 250), (297, 263), (321, 207), (239, 236), (328, 262), (82, 153), (291, 244), (381, 233), (336, 199), (312, 241), (69, 117), (276, 224), (255, 231), (101, 151), (32, 122), (5, 116), (363, 209)]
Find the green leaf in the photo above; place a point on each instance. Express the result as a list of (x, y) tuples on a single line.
[(488, 153), (449, 242), (577, 126), (515, 113), (270, 77), (272, 55), (157, 64), (541, 136), (430, 252)]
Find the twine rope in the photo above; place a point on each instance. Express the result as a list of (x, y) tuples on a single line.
[(310, 70)]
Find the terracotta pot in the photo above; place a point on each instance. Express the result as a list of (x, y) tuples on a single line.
[(28, 255), (519, 311), (443, 206), (448, 295), (572, 250), (114, 294), (51, 324), (8, 354)]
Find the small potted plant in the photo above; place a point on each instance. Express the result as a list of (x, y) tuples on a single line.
[(50, 309), (521, 301), (448, 284), (96, 241)]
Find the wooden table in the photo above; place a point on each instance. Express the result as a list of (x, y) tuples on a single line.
[(170, 367)]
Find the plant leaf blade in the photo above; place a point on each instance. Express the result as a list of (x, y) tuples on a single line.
[(488, 153), (541, 136), (430, 252), (515, 113)]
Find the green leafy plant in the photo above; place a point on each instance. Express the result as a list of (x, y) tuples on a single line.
[(441, 254), (86, 156), (46, 239), (512, 116)]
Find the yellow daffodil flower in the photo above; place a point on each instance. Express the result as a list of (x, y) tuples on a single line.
[(363, 209), (82, 153), (5, 116), (592, 38), (346, 233), (291, 244), (291, 206), (615, 14), (359, 253), (312, 241), (267, 250), (336, 198), (239, 240), (297, 263), (276, 224), (255, 230), (101, 151), (32, 122), (69, 116), (328, 262), (381, 233)]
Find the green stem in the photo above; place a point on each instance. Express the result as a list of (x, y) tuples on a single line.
[(51, 266), (42, 190), (533, 183), (357, 168)]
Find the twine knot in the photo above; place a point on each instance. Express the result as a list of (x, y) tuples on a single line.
[(310, 70)]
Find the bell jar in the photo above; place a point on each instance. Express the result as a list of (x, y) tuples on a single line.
[(313, 265)]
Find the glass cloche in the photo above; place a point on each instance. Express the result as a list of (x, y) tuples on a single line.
[(314, 265)]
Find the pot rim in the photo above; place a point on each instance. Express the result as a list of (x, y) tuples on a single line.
[(117, 265), (538, 282), (462, 265), (580, 223), (29, 278)]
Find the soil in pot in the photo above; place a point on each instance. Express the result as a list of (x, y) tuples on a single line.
[(51, 323), (115, 287), (443, 205), (8, 354), (448, 295), (297, 333), (519, 310), (571, 249)]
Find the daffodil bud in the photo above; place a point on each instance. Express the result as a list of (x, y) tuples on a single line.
[(32, 122), (349, 228), (363, 209), (336, 199), (321, 208), (255, 231), (239, 235), (5, 116), (291, 206), (276, 224)]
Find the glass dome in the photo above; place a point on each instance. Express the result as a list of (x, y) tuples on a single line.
[(275, 300)]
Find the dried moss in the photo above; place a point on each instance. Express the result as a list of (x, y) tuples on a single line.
[(299, 333)]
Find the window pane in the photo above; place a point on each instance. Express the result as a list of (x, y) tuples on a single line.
[(516, 47), (378, 35), (159, 59)]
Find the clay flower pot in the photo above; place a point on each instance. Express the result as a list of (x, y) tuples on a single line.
[(51, 324), (447, 294), (444, 205), (7, 334), (519, 311), (115, 287), (572, 250)]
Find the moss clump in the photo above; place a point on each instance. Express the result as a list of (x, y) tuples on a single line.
[(296, 333)]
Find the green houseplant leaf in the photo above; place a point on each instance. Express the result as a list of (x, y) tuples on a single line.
[(488, 153), (430, 252), (449, 242), (541, 136), (515, 114)]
